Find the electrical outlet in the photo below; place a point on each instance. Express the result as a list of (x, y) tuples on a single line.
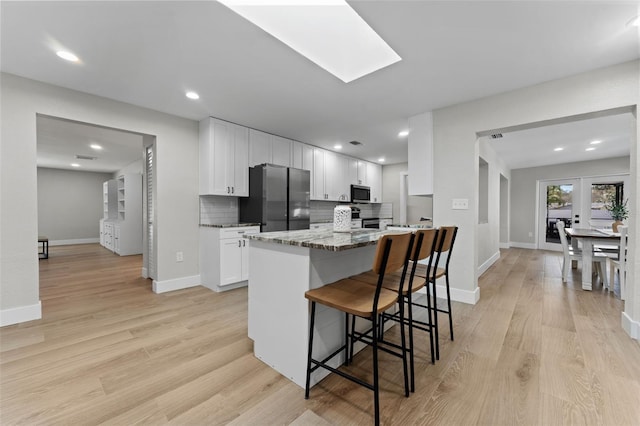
[(179, 256), (460, 204), (530, 234)]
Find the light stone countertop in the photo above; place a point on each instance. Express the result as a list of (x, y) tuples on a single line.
[(324, 239), (228, 225), (411, 225)]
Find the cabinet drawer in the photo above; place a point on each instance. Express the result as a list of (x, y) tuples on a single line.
[(227, 233)]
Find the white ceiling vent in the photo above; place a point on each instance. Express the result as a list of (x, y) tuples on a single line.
[(356, 143), (85, 157)]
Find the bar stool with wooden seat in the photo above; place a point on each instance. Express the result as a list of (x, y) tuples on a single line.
[(445, 248), (424, 248), (359, 299)]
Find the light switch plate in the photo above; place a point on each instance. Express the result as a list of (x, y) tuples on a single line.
[(460, 204)]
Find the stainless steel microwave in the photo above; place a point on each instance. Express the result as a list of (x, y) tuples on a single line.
[(360, 194)]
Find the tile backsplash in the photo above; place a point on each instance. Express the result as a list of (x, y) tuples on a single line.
[(218, 210), (221, 210)]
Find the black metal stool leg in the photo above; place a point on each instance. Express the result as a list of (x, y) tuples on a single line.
[(376, 387), (435, 319), (403, 340), (449, 307), (313, 317)]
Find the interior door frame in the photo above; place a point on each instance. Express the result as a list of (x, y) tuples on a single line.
[(541, 219)]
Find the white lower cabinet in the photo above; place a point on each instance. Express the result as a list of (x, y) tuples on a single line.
[(224, 257)]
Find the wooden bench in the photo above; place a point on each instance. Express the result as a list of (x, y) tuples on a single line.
[(44, 254)]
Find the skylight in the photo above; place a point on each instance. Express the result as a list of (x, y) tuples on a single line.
[(328, 32)]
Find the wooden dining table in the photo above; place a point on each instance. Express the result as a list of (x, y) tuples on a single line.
[(589, 237)]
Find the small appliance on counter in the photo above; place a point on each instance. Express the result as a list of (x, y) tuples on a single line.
[(278, 198), (355, 212)]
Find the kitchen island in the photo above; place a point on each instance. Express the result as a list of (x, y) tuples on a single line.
[(282, 267)]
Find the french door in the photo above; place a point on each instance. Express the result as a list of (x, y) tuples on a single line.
[(558, 200)]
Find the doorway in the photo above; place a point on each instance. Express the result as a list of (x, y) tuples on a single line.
[(559, 200), (77, 160)]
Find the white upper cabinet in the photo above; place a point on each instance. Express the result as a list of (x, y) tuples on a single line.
[(352, 171), (269, 149), (224, 168), (302, 156), (362, 173), (374, 181), (330, 173), (281, 151), (259, 148)]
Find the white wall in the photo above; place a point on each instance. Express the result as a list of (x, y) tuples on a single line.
[(524, 190), (488, 250), (456, 130), (417, 206), (70, 204), (176, 184), (136, 166)]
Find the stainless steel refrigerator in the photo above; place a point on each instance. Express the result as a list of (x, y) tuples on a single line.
[(278, 198)]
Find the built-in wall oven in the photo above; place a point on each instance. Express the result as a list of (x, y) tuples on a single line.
[(371, 223)]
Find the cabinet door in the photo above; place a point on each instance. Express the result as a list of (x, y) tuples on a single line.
[(221, 144), (240, 162), (116, 239), (335, 181), (281, 151), (374, 179), (244, 275), (230, 261), (259, 147), (362, 173), (317, 188), (352, 172)]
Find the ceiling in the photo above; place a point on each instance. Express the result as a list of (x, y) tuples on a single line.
[(149, 53), (614, 133), (60, 141)]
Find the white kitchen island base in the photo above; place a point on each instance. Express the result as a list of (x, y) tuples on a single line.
[(279, 275)]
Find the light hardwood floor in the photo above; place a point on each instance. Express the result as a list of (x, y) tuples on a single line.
[(533, 351)]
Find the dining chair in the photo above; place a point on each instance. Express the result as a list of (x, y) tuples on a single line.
[(619, 265), (569, 254)]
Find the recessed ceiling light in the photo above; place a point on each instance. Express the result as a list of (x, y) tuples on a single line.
[(590, 149), (595, 142), (96, 146), (328, 32), (192, 95), (75, 165), (68, 56), (403, 133), (635, 22), (337, 146), (381, 159), (558, 149)]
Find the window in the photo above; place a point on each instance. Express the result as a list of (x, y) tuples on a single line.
[(603, 193)]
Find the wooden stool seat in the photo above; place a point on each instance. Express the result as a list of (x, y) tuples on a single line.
[(353, 297)]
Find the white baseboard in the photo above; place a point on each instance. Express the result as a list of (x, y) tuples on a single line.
[(20, 314), (504, 245), (630, 326), (144, 273), (530, 246), (486, 265), (457, 295), (176, 284), (71, 242)]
